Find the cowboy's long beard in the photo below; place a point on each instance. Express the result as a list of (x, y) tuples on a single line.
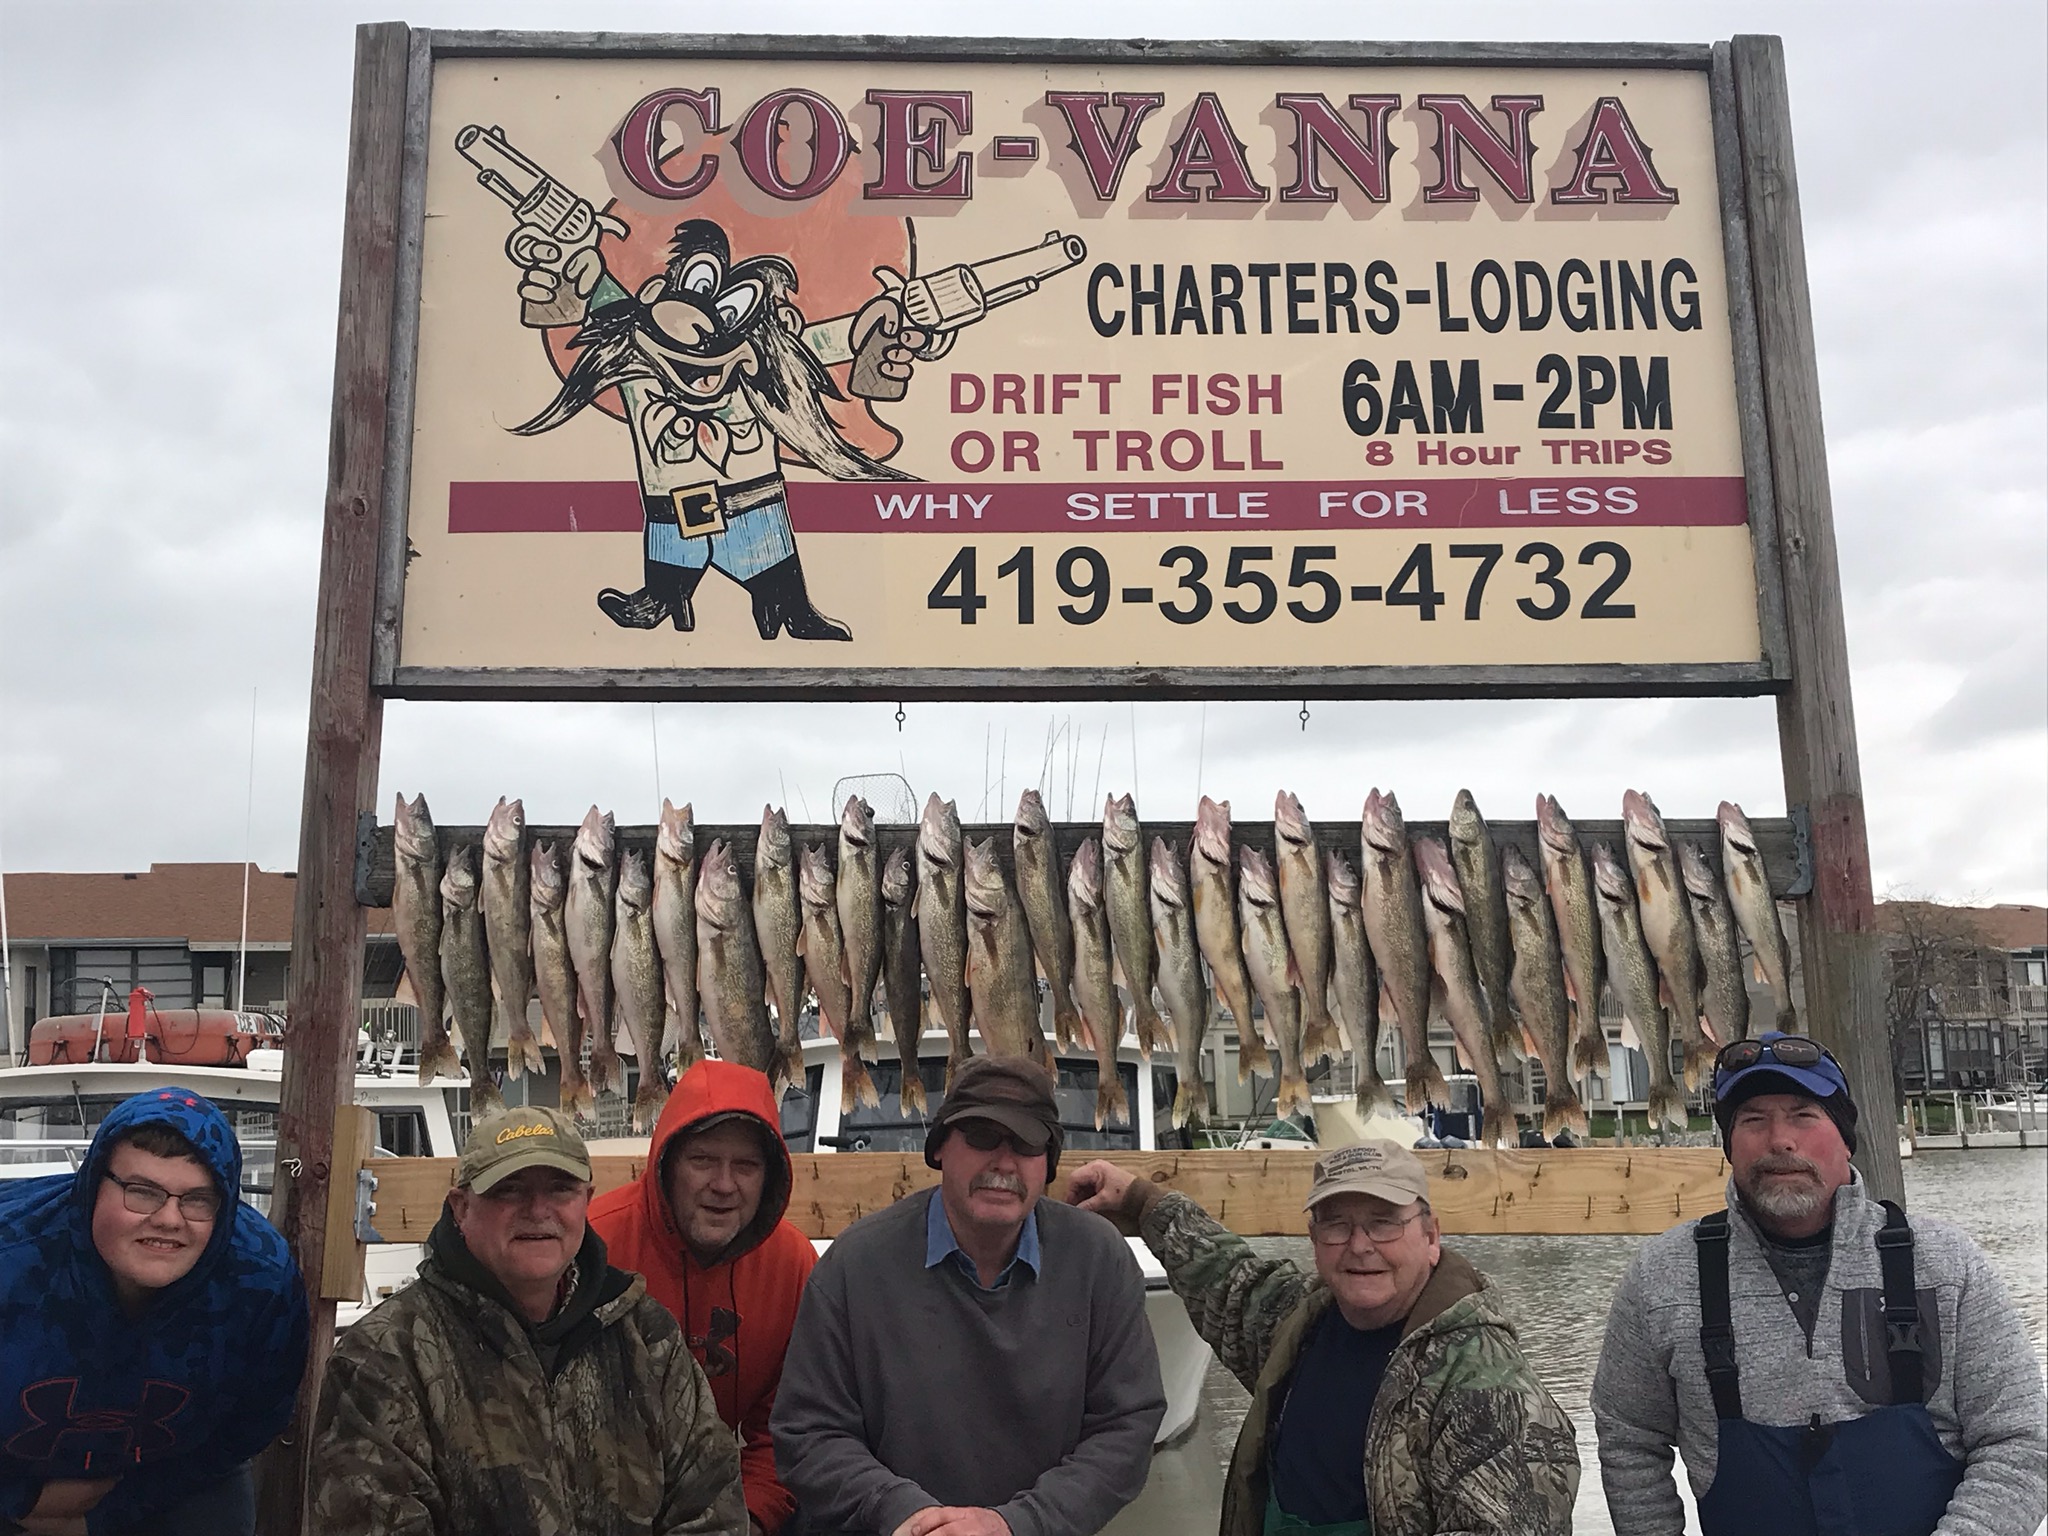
[(788, 399)]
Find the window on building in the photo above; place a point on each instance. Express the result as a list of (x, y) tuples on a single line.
[(213, 986)]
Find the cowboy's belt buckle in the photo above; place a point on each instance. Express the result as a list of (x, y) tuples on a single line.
[(700, 509)]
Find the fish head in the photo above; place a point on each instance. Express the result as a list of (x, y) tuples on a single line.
[(1084, 876), (897, 881), (938, 833), (412, 830), (1735, 829), (1614, 886), (718, 885), (1554, 827), (988, 894), (1439, 880), (676, 839), (1255, 887), (1467, 825), (594, 839), (1120, 829), (1702, 885), (771, 849), (1382, 827), (1031, 818), (1641, 823), (636, 882), (1290, 823), (1169, 880), (505, 829), (1212, 831), (857, 822), (458, 880), (1342, 881), (1518, 881), (549, 887), (817, 886)]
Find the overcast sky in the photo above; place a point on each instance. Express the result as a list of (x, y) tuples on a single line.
[(172, 176)]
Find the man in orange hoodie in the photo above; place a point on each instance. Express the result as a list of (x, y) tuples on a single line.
[(704, 1224)]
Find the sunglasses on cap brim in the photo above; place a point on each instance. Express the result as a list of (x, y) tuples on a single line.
[(1792, 1051)]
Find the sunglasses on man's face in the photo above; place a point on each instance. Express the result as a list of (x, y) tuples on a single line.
[(1792, 1051), (986, 1136)]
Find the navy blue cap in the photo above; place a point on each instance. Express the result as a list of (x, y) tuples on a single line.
[(1823, 1082)]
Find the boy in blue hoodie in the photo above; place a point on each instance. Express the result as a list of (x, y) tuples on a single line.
[(152, 1332)]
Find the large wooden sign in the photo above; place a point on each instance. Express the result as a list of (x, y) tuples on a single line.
[(777, 367)]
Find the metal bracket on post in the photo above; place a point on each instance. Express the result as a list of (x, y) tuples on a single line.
[(366, 847), (1802, 853), (366, 1186)]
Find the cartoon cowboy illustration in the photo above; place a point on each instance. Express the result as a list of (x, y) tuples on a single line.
[(721, 377)]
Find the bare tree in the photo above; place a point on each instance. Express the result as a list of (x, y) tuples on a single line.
[(1936, 955)]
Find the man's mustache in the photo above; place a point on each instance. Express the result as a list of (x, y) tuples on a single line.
[(1787, 1162), (1008, 1182)]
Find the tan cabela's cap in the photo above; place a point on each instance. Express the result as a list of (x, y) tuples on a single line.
[(529, 1137), (1385, 1169)]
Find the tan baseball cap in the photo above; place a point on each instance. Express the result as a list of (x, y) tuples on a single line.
[(1385, 1169), (512, 1139)]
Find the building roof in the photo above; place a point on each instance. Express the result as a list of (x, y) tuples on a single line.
[(198, 905), (2007, 926)]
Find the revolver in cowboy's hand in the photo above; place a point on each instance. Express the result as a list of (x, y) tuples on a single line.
[(554, 243), (942, 303)]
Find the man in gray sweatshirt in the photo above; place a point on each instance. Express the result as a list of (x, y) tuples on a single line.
[(1825, 1368), (973, 1360)]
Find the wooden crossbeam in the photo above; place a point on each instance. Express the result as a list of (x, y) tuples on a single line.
[(1585, 1190)]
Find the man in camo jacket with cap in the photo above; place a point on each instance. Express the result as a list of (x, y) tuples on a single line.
[(1389, 1394), (522, 1385)]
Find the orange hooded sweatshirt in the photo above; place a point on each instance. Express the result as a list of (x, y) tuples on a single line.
[(738, 1312)]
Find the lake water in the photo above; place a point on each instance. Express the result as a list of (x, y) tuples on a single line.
[(1558, 1289)]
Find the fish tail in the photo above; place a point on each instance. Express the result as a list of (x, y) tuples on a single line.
[(1562, 1111), (1699, 1061), (648, 1101), (576, 1097), (1319, 1040), (911, 1094), (524, 1055), (1507, 1048), (1252, 1055), (484, 1098), (856, 1086), (1067, 1027), (1190, 1103), (1110, 1102), (1667, 1106), (956, 1058), (1153, 1031), (1589, 1055), (1292, 1094), (438, 1058), (791, 1061), (1499, 1127), (606, 1074), (1374, 1096), (1425, 1084), (1788, 1018)]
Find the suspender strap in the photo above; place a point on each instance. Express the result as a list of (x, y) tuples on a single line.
[(1717, 1334), (1901, 1307)]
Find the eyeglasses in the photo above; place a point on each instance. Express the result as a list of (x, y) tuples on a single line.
[(146, 1199), (1336, 1231), (1791, 1051), (986, 1136)]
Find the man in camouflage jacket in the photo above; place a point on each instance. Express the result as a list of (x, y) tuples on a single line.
[(521, 1386), (1458, 1437)]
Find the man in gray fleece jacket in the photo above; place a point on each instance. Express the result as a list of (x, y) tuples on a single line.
[(1825, 1368), (973, 1360)]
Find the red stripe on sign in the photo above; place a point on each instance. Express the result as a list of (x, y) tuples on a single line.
[(1291, 506), (613, 506), (544, 506)]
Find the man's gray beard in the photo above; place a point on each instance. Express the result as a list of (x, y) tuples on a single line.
[(1777, 1200)]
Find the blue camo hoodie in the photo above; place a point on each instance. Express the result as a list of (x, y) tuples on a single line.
[(168, 1401)]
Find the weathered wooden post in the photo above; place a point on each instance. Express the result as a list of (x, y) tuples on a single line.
[(1816, 722), (344, 732)]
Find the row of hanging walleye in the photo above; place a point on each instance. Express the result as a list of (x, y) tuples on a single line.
[(1469, 933)]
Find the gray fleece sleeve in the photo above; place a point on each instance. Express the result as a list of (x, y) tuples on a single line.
[(1120, 1413), (1635, 1417), (2001, 1406), (821, 1448)]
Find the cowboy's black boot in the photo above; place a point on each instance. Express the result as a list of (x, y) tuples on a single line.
[(781, 604), (667, 595)]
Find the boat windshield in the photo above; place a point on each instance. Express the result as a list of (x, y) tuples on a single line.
[(49, 1134)]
